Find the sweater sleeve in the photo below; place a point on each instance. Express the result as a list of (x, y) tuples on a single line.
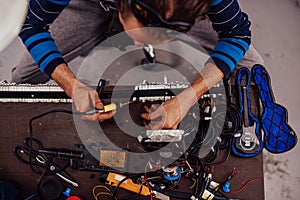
[(233, 29), (36, 36)]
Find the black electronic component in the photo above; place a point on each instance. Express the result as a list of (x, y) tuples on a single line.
[(62, 153), (50, 189)]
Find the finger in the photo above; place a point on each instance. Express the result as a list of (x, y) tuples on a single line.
[(146, 116), (154, 106), (106, 115), (99, 105), (147, 109), (157, 114), (154, 116), (97, 101), (86, 101), (156, 125), (146, 125), (93, 117), (82, 106)]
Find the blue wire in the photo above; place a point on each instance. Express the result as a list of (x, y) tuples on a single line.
[(30, 197)]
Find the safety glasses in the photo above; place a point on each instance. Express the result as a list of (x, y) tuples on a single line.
[(151, 18)]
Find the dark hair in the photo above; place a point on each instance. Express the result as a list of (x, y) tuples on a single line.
[(173, 10)]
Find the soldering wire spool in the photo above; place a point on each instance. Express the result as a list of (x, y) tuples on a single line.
[(172, 173)]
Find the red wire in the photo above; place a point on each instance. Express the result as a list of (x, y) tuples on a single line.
[(150, 189), (244, 185)]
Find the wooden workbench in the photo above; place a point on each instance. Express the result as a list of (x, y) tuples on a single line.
[(58, 130)]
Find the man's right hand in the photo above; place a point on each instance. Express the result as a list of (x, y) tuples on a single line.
[(84, 97)]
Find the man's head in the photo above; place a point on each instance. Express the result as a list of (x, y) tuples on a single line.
[(178, 15)]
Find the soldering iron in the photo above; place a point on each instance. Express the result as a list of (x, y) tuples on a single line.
[(107, 108)]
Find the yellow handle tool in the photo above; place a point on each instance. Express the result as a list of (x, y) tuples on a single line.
[(113, 179), (106, 108), (110, 107)]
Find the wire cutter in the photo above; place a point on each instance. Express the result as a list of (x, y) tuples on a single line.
[(28, 155)]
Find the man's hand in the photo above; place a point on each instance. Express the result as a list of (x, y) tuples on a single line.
[(84, 98), (166, 116), (170, 114)]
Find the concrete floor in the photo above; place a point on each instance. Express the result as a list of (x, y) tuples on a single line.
[(276, 28)]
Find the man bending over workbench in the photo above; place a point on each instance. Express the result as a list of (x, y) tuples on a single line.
[(77, 26)]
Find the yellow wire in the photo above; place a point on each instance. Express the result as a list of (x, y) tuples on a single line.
[(101, 193), (193, 184), (100, 186)]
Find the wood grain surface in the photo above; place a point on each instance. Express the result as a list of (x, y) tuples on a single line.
[(58, 130)]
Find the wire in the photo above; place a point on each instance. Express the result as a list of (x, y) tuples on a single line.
[(233, 121), (220, 196), (193, 185), (150, 189), (31, 196), (108, 192), (31, 141), (227, 156), (48, 163), (117, 187), (30, 129), (244, 185)]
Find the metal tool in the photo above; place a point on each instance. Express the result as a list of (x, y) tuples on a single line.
[(248, 142), (32, 157), (149, 54), (161, 136), (62, 153), (114, 179)]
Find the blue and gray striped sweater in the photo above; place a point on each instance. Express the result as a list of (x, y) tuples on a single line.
[(228, 21)]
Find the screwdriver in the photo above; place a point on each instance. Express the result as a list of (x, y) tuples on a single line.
[(107, 108)]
